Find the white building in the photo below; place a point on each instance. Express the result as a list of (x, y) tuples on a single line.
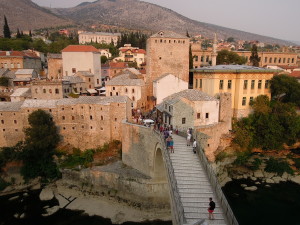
[(82, 58), (105, 52), (167, 85), (190, 108), (98, 37)]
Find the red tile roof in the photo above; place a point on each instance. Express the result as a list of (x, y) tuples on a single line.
[(18, 54), (295, 74), (140, 51), (80, 48), (287, 67), (118, 65)]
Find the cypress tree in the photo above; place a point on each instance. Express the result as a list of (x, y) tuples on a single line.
[(6, 30), (187, 34), (254, 59), (18, 33), (30, 34)]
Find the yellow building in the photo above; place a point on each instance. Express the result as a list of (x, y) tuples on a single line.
[(243, 82)]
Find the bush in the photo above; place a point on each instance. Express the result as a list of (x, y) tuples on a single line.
[(3, 184), (278, 166), (221, 156), (79, 158), (297, 163), (255, 164), (242, 158)]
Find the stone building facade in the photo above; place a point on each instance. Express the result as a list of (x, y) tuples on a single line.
[(86, 122), (167, 52), (99, 37), (55, 66), (244, 83), (15, 60), (45, 89)]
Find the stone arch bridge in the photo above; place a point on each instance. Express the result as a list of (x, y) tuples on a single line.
[(189, 177)]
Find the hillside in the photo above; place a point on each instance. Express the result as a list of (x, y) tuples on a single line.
[(146, 16), (26, 15)]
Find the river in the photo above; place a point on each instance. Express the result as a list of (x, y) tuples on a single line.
[(278, 204)]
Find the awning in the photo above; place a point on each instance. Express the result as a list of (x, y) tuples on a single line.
[(92, 91), (101, 89)]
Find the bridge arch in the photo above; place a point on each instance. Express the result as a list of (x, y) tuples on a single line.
[(159, 170)]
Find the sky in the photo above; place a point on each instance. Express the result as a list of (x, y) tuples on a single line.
[(274, 18)]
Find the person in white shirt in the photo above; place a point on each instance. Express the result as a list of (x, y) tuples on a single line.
[(194, 146)]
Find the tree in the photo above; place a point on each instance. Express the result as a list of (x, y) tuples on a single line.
[(191, 58), (226, 57), (4, 81), (6, 30), (18, 34), (254, 59), (103, 59), (187, 34), (230, 39), (41, 139), (285, 89)]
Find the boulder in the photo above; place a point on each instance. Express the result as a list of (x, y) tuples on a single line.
[(252, 188), (257, 182), (296, 179), (46, 194), (269, 181), (13, 198), (51, 211), (253, 178), (258, 174), (278, 179), (267, 186), (243, 185), (269, 175)]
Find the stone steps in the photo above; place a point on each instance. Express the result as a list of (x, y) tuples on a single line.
[(209, 222)]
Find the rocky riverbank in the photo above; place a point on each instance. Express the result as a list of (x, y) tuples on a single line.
[(227, 171)]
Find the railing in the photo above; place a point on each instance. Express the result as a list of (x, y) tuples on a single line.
[(215, 185), (178, 210)]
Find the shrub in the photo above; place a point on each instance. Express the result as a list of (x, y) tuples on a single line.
[(255, 164), (278, 166), (3, 184), (79, 158), (297, 163), (221, 156), (242, 158)]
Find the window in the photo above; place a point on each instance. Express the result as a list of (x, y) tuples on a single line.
[(245, 84), (259, 84), (19, 66), (267, 84), (198, 115), (279, 60), (15, 122), (200, 83), (251, 100), (221, 84), (110, 93), (293, 60), (63, 117), (244, 101), (202, 59), (50, 91), (56, 91), (288, 61), (196, 58), (73, 70), (89, 79), (266, 59), (91, 117), (114, 88), (166, 106), (283, 60), (12, 65), (44, 90), (252, 84), (73, 118), (117, 93), (183, 120), (133, 98), (101, 117), (97, 81), (196, 83), (170, 108), (116, 119), (229, 84), (126, 90), (2, 121), (270, 60), (206, 115)]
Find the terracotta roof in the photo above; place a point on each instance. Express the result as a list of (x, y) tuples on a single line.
[(295, 74), (80, 48), (18, 54), (125, 80), (120, 65), (140, 51), (286, 67)]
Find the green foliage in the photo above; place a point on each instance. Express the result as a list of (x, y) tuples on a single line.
[(222, 155), (112, 48), (103, 59), (6, 30), (254, 59), (72, 95), (226, 57), (297, 163), (230, 39), (40, 142), (255, 164), (3, 184), (132, 65), (242, 158), (278, 166), (79, 158), (136, 39), (270, 125), (285, 89), (4, 81)]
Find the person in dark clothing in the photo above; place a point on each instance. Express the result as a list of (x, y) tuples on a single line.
[(211, 208)]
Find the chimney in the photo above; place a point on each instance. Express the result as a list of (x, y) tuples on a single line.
[(8, 53)]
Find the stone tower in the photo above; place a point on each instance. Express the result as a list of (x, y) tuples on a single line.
[(167, 52), (214, 53)]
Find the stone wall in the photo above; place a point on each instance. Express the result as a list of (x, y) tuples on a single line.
[(54, 68)]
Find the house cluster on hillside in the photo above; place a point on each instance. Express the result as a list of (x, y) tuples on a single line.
[(87, 99)]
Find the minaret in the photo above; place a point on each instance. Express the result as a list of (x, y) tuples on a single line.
[(214, 53)]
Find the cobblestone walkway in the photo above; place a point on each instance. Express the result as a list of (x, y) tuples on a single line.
[(193, 185)]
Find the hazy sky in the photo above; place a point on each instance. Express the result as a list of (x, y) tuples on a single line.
[(275, 18)]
